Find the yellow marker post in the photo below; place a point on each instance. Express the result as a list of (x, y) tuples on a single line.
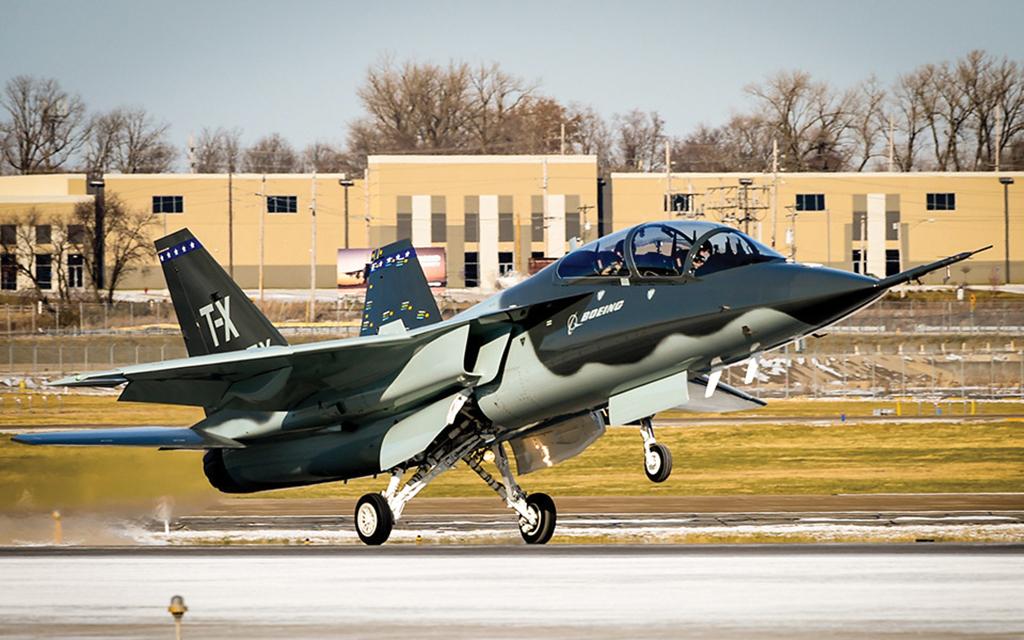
[(974, 407), (899, 408), (58, 530), (177, 609)]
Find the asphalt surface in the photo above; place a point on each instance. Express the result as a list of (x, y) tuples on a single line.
[(841, 591)]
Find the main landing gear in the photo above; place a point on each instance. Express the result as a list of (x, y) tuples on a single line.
[(377, 513), (657, 457), (537, 514)]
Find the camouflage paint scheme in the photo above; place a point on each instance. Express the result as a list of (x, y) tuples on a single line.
[(556, 347)]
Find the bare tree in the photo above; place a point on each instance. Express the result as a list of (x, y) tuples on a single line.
[(39, 237), (911, 99), (869, 122), (45, 126), (811, 120), (128, 242), (640, 138), (218, 150), (143, 146), (496, 101), (326, 157), (271, 154), (128, 140), (587, 133)]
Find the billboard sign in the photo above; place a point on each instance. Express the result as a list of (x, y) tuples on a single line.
[(352, 266)]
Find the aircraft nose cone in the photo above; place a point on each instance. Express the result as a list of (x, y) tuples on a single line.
[(820, 296)]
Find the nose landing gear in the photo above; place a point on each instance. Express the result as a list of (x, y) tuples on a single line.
[(657, 457)]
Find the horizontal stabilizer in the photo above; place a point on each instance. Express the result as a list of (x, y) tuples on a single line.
[(162, 437)]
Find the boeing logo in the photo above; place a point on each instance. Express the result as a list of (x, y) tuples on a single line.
[(222, 321), (575, 320)]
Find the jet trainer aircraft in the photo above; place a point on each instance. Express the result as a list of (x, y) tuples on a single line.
[(615, 331)]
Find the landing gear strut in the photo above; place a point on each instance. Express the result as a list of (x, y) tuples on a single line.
[(537, 514), (657, 457)]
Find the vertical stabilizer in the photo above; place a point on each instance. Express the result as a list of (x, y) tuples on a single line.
[(397, 291), (214, 314)]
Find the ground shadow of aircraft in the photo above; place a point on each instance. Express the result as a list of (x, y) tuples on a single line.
[(615, 331)]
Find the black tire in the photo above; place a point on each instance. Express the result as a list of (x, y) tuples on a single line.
[(542, 505), (374, 519), (658, 466)]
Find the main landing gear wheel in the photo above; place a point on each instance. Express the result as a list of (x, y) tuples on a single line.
[(658, 463), (542, 508), (373, 519)]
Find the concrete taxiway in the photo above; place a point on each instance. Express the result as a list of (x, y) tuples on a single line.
[(839, 591)]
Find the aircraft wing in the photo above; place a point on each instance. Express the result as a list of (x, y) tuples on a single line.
[(281, 377), (163, 437)]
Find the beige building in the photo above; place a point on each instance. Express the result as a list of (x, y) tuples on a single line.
[(492, 214), (877, 223)]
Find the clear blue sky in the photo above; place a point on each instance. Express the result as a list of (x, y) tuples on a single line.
[(293, 67)]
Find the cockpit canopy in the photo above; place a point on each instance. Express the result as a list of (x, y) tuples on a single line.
[(669, 249)]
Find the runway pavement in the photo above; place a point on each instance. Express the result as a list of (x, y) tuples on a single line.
[(519, 592)]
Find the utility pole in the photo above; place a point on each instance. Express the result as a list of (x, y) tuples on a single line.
[(191, 154), (999, 137), (263, 215), (892, 144), (668, 177), (366, 211), (1006, 181), (583, 209), (775, 189), (345, 184), (544, 198), (563, 139), (312, 250), (231, 225)]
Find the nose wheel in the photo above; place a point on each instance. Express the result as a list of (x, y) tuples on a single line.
[(374, 519), (657, 457)]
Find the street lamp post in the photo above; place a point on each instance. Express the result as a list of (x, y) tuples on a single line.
[(346, 183), (97, 186), (1006, 181)]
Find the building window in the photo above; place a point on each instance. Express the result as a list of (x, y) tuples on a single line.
[(76, 270), (44, 234), (860, 259), (681, 203), (8, 234), (438, 227), (506, 263), (282, 204), (941, 201), (892, 262), (572, 224), (76, 233), (506, 227), (892, 225), (472, 269), (403, 226), (472, 227), (8, 272), (44, 270), (810, 202), (171, 204)]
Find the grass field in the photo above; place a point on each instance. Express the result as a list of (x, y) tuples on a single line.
[(50, 408), (709, 460)]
